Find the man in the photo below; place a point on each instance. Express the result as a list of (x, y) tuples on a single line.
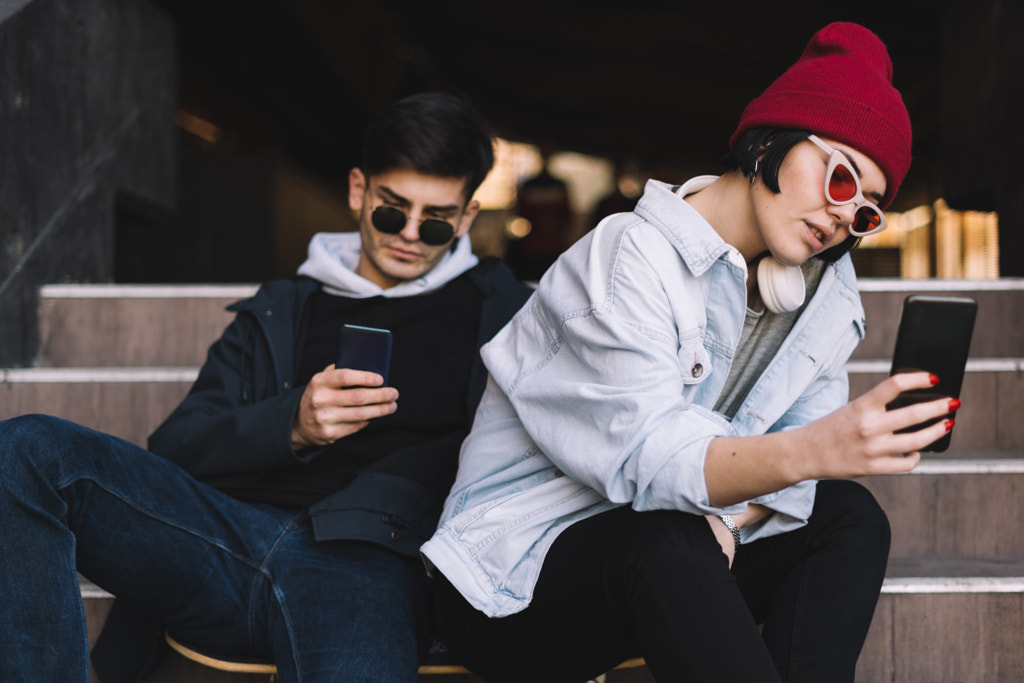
[(281, 506)]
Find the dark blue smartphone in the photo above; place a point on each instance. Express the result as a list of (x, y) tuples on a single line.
[(364, 348)]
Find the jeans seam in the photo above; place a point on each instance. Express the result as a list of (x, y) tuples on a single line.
[(152, 515), (265, 574)]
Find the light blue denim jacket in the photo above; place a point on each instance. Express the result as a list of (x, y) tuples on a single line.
[(602, 387)]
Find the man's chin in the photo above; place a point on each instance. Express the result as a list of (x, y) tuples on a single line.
[(404, 271)]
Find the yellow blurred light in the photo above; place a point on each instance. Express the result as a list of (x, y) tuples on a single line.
[(518, 228)]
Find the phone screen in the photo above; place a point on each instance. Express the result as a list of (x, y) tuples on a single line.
[(364, 348), (934, 336)]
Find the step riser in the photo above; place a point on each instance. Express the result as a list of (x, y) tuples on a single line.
[(130, 411), (952, 515), (77, 332), (130, 332), (945, 638), (990, 416), (998, 331)]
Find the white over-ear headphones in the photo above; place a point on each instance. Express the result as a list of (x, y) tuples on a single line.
[(782, 287)]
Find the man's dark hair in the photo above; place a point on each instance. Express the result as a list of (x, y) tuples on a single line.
[(431, 133), (768, 147)]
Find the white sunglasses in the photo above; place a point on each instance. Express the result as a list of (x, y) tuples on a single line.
[(843, 187)]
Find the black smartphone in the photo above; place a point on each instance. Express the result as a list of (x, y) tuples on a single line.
[(364, 348), (934, 336)]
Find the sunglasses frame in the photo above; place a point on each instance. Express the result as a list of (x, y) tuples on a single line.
[(837, 158), (431, 242)]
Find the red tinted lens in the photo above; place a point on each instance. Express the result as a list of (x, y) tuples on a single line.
[(842, 186), (866, 220)]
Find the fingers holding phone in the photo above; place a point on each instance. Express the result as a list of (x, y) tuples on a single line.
[(915, 425), (346, 396), (337, 403)]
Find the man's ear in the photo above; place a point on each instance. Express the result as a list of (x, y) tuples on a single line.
[(468, 214), (356, 189)]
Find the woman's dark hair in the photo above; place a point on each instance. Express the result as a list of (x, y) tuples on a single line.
[(431, 133), (760, 151)]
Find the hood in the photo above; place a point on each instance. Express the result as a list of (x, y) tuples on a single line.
[(333, 257)]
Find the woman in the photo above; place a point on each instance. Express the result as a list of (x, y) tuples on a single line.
[(642, 475)]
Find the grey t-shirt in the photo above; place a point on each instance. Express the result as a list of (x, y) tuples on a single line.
[(762, 336)]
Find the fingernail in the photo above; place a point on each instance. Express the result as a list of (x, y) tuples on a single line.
[(954, 404), (934, 379), (949, 424)]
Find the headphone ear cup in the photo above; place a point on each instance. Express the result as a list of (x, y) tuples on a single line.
[(782, 287)]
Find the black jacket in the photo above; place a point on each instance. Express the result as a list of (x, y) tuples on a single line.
[(235, 426)]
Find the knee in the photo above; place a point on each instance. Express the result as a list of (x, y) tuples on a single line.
[(848, 508), (34, 439)]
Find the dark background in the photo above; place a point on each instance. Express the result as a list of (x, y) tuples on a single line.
[(98, 185)]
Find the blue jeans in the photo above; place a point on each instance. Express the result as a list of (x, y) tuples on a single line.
[(219, 573)]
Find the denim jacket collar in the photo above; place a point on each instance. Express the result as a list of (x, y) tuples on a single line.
[(697, 242)]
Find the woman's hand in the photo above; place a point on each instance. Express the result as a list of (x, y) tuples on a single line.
[(723, 536), (855, 440), (860, 438), (753, 513), (337, 403)]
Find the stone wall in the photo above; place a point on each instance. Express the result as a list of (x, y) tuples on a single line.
[(87, 102)]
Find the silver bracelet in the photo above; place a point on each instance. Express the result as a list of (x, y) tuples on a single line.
[(727, 520)]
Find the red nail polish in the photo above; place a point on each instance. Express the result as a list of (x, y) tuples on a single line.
[(934, 379), (954, 404), (949, 424)]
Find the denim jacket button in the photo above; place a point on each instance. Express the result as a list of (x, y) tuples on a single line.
[(394, 536), (697, 370)]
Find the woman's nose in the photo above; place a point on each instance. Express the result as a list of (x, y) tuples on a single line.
[(843, 214)]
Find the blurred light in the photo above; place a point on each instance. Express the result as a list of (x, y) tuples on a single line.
[(518, 228), (513, 161), (201, 128)]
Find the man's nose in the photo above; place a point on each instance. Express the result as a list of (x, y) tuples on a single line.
[(411, 230)]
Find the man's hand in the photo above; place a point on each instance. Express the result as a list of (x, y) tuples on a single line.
[(337, 403)]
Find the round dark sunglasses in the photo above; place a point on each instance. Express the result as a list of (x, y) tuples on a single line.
[(433, 231), (842, 187)]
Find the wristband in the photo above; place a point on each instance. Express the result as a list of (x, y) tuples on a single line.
[(735, 530)]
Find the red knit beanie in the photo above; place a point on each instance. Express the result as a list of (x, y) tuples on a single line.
[(841, 88)]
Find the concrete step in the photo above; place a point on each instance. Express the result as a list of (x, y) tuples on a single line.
[(126, 402), (999, 327), (947, 620), (132, 325), (967, 508), (992, 393), (131, 401), (146, 325)]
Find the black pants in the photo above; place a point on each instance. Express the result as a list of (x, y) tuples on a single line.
[(656, 584)]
